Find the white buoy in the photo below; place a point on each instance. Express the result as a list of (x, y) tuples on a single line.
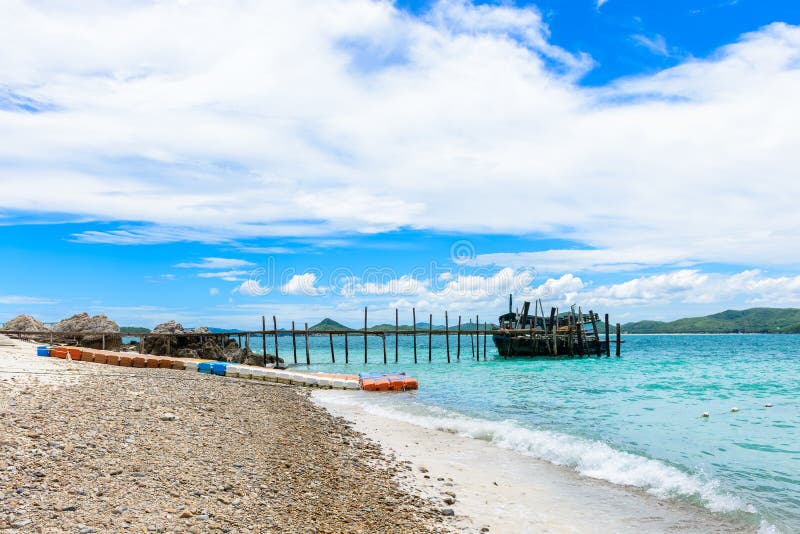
[(705, 414), (734, 409), (768, 405)]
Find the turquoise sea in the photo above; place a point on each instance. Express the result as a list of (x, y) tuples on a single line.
[(635, 420)]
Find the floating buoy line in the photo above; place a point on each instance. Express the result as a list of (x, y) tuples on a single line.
[(706, 415)]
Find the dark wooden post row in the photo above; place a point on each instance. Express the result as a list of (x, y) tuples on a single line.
[(619, 340), (608, 338)]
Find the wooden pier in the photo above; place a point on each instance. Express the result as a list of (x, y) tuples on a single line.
[(518, 334)]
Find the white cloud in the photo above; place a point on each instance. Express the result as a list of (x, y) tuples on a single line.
[(213, 291), (302, 284), (617, 259), (252, 288), (656, 44), (23, 299), (601, 3), (228, 276), (690, 286), (216, 263), (222, 105), (465, 292)]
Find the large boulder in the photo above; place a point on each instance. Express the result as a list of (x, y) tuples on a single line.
[(199, 343), (89, 331), (24, 323)]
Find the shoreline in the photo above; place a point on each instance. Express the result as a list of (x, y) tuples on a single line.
[(501, 490)]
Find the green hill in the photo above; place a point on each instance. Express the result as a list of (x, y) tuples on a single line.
[(753, 320), (326, 325)]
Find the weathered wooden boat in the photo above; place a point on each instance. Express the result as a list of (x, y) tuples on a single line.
[(563, 335)]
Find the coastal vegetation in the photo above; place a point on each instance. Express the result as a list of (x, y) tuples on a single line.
[(749, 321)]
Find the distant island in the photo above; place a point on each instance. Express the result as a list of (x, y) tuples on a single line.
[(750, 321), (134, 330), (328, 325)]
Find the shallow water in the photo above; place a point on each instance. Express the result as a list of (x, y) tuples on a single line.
[(634, 420)]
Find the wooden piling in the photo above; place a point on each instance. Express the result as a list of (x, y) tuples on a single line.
[(294, 344), (477, 337), (414, 326), (396, 335), (472, 345), (458, 340), (275, 329), (485, 325), (554, 328), (619, 340), (608, 338), (264, 338), (383, 339), (104, 342), (346, 349), (333, 356), (141, 344), (597, 347), (579, 331), (365, 334), (430, 338), (169, 345), (570, 345), (308, 354), (447, 335), (534, 340)]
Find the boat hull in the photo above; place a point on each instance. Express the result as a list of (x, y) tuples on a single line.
[(541, 346)]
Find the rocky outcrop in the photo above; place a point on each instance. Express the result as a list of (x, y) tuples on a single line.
[(193, 344), (24, 323), (97, 328)]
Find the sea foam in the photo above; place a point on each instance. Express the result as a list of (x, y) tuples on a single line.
[(590, 458)]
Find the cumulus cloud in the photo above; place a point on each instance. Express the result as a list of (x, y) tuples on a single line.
[(222, 105), (690, 286), (252, 288), (302, 284)]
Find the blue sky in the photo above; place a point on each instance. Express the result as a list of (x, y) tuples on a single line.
[(211, 165)]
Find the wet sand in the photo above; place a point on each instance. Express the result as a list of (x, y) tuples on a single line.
[(500, 490)]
